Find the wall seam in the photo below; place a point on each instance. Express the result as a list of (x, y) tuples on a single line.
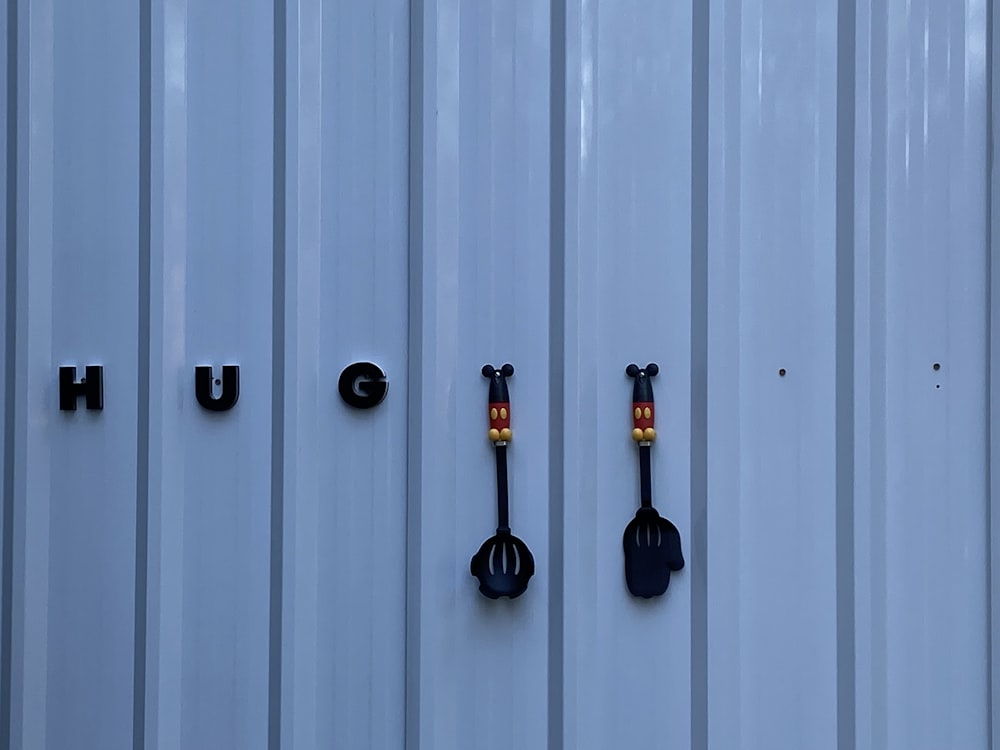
[(414, 409), (274, 691), (143, 406), (844, 378), (992, 374), (6, 588), (557, 364), (700, 41)]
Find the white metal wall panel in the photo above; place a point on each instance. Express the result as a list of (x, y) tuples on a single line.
[(771, 541), (782, 203), (480, 275), (209, 493), (922, 544), (627, 282), (75, 472), (345, 510)]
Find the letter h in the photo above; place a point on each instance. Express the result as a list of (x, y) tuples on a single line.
[(91, 387)]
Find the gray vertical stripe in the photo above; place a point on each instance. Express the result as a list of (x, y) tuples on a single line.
[(846, 29), (142, 426), (10, 350), (993, 379), (875, 308), (277, 382), (414, 407), (698, 545), (557, 358)]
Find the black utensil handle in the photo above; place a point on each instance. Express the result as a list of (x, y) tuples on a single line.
[(503, 506), (645, 478)]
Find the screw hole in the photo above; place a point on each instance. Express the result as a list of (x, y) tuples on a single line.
[(937, 366), (218, 382), (938, 385), (781, 372)]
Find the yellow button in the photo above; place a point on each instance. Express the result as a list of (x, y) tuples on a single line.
[(503, 413), (647, 413), (638, 413), (493, 413)]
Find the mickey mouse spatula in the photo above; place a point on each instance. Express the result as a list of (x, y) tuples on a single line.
[(652, 544), (503, 563)]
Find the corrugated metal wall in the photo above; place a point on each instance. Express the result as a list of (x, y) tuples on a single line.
[(731, 188)]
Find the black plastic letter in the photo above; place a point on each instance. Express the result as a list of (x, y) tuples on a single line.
[(91, 386), (363, 385), (230, 387)]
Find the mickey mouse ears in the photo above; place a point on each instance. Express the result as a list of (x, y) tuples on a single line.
[(642, 389)]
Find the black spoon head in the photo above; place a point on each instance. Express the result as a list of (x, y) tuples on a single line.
[(503, 566), (652, 549)]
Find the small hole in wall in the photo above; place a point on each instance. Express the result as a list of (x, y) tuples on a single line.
[(218, 382), (781, 372), (938, 385), (937, 366)]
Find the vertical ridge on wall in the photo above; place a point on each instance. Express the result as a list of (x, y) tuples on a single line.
[(415, 356), (161, 663), (557, 371), (993, 369), (8, 33), (279, 366), (870, 361), (27, 720), (844, 385), (698, 549), (724, 296), (144, 243)]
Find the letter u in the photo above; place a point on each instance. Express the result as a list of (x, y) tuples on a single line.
[(230, 387)]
